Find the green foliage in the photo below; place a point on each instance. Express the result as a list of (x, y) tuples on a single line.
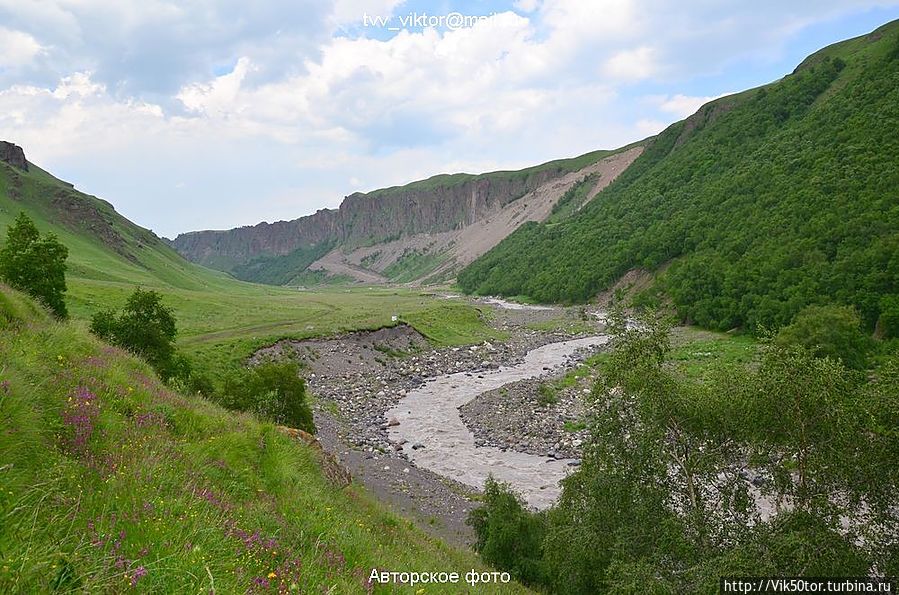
[(35, 264), (144, 327), (413, 265), (764, 203), (829, 331), (271, 390), (888, 323), (573, 199), (508, 536), (662, 503), (281, 270)]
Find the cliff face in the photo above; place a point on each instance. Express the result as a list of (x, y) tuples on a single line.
[(13, 155), (436, 205), (226, 249)]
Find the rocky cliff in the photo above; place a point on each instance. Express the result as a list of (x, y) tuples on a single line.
[(13, 155), (439, 204)]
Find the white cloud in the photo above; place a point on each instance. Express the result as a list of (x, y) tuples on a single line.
[(526, 5), (631, 65), (324, 115), (17, 48), (648, 127), (682, 106), (350, 12)]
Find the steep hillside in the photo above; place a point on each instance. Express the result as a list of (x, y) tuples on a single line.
[(762, 203), (111, 482), (404, 233), (103, 245)]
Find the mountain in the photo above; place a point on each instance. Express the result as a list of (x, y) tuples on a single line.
[(754, 207), (424, 230), (103, 245)]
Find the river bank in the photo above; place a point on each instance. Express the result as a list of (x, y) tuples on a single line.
[(358, 378)]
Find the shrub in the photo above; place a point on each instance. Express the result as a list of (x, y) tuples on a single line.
[(272, 390), (829, 331), (144, 327), (508, 536), (35, 264)]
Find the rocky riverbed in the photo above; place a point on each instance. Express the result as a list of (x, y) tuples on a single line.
[(358, 377), (521, 416)]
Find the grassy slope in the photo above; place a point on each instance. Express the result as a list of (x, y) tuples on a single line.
[(106, 474), (221, 320), (765, 201)]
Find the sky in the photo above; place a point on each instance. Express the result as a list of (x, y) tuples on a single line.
[(204, 114)]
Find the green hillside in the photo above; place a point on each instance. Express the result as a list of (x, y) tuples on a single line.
[(221, 320), (104, 246), (110, 482), (762, 203)]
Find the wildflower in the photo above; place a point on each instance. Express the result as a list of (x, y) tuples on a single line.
[(272, 574), (139, 573)]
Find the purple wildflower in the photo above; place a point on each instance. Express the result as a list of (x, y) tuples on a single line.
[(79, 417), (138, 573)]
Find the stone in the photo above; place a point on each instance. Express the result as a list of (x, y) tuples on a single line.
[(13, 155)]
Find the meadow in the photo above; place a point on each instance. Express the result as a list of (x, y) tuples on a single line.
[(113, 482)]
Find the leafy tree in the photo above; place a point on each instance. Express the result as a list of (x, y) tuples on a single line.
[(145, 327), (662, 503), (805, 427), (273, 390), (508, 536), (829, 331), (888, 323), (35, 264)]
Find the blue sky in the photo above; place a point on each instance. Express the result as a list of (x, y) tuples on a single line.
[(214, 114)]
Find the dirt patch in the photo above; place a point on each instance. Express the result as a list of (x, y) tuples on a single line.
[(624, 290), (351, 353)]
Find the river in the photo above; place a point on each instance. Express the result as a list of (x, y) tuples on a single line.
[(429, 416)]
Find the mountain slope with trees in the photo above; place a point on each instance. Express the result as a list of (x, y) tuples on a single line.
[(762, 202)]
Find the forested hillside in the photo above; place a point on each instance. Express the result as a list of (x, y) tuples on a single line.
[(763, 202)]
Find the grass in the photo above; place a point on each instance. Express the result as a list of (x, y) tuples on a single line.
[(221, 320), (695, 352), (111, 482), (219, 328), (413, 265)]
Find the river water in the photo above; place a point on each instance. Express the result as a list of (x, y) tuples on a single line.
[(429, 415)]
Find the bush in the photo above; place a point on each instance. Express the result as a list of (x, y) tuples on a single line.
[(144, 327), (35, 264), (829, 331), (888, 323), (508, 536), (271, 390)]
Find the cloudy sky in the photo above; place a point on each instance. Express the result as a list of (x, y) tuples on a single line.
[(204, 114)]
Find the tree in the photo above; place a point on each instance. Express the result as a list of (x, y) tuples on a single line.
[(145, 327), (829, 331), (508, 536), (272, 390), (35, 264), (888, 323)]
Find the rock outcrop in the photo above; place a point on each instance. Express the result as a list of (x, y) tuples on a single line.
[(13, 155), (442, 203)]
